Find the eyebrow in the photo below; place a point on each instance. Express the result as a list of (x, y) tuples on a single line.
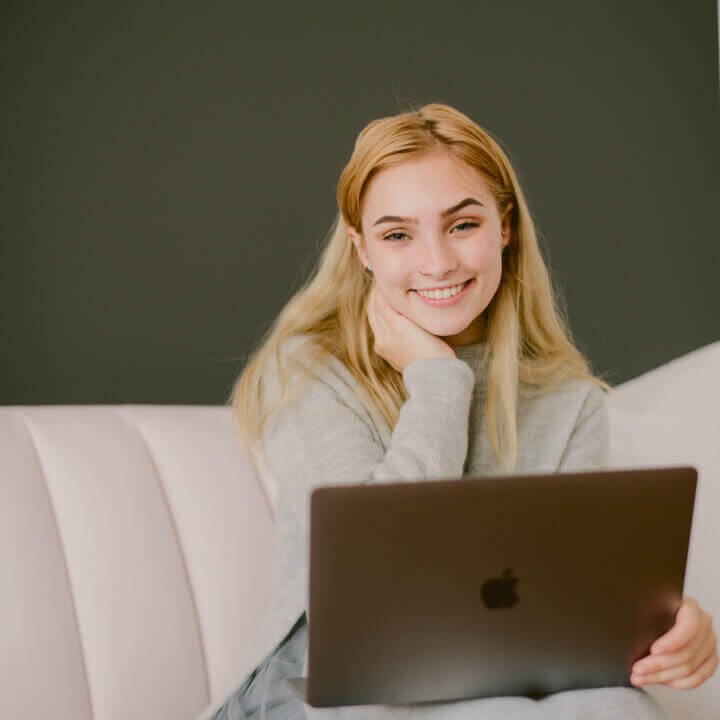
[(445, 213)]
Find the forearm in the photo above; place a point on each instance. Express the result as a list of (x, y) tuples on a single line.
[(321, 439), (430, 439)]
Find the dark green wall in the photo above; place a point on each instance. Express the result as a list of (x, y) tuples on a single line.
[(168, 170)]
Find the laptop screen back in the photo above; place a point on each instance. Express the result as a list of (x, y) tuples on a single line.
[(507, 585)]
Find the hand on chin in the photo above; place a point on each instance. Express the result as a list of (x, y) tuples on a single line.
[(397, 338)]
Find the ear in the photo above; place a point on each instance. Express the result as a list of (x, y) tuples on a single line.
[(506, 220), (359, 243)]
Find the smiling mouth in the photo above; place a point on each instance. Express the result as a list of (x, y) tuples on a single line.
[(443, 293)]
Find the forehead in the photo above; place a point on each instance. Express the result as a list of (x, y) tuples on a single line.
[(426, 185)]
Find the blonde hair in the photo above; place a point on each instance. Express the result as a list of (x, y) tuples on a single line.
[(529, 346)]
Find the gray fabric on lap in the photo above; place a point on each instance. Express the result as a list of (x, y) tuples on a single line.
[(265, 696)]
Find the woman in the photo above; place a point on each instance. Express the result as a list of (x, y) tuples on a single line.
[(428, 344)]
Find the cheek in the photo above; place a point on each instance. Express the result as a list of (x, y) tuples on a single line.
[(391, 269), (482, 257)]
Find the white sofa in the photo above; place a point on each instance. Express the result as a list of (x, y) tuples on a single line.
[(135, 539)]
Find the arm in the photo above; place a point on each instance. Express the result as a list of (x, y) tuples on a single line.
[(328, 437), (588, 446), (325, 436)]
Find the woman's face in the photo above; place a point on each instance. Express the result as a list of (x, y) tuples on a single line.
[(432, 236)]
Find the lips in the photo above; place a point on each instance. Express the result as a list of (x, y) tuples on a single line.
[(443, 297), (443, 293)]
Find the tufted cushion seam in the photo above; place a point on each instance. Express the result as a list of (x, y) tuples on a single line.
[(131, 420), (43, 475)]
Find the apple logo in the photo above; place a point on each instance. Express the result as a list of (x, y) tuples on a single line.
[(500, 592)]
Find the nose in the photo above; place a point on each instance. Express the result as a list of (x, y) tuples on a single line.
[(437, 259)]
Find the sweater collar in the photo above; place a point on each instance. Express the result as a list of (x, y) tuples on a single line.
[(471, 352)]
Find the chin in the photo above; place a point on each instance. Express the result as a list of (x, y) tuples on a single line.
[(443, 329)]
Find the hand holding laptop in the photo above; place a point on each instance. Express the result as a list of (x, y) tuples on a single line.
[(685, 656)]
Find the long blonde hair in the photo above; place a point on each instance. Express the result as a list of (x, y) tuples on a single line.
[(529, 346)]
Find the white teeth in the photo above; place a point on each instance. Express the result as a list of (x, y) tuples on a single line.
[(441, 294)]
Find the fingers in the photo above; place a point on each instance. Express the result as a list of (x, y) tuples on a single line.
[(687, 624), (381, 306), (690, 629), (376, 308), (698, 677), (387, 320), (673, 667), (685, 656), (378, 317)]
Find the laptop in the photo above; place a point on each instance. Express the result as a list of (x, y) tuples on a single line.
[(491, 586)]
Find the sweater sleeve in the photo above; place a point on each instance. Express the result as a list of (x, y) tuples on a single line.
[(588, 447), (322, 436)]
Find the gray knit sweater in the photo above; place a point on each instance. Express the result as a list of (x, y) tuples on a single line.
[(326, 435)]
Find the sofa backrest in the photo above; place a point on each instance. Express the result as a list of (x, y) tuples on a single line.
[(134, 542), (671, 416)]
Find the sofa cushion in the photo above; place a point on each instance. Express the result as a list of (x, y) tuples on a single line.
[(671, 416)]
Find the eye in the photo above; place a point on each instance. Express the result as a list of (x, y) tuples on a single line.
[(393, 236), (465, 225)]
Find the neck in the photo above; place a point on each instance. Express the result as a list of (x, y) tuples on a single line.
[(475, 332)]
